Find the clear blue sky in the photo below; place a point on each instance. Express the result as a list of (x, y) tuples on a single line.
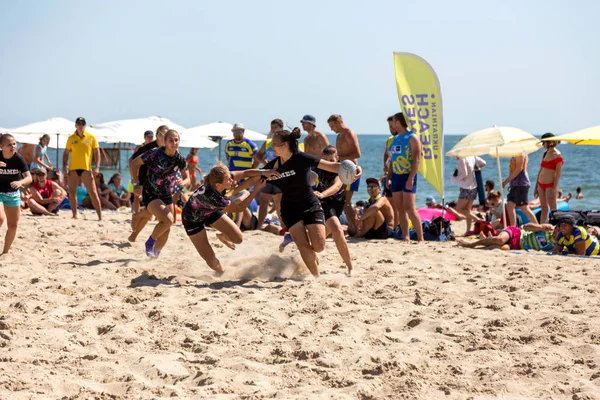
[(530, 64)]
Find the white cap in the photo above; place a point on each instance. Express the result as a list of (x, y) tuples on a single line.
[(238, 127)]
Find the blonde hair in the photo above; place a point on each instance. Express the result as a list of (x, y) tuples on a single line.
[(161, 130), (217, 174), (170, 133)]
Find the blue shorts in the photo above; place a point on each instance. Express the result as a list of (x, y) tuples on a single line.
[(354, 186), (399, 183), (11, 199)]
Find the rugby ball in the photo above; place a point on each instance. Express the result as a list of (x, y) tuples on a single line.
[(347, 172)]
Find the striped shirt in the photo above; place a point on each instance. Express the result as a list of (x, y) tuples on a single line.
[(592, 247), (240, 154)]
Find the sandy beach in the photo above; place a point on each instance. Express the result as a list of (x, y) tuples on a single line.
[(84, 314)]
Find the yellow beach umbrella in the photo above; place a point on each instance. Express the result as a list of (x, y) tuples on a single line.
[(588, 136), (499, 141)]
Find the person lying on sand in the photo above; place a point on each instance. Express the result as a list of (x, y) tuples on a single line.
[(531, 237), (574, 239)]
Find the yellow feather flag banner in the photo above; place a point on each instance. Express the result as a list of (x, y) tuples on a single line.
[(421, 101)]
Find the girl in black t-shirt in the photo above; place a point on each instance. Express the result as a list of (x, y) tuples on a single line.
[(14, 174), (163, 164), (301, 210)]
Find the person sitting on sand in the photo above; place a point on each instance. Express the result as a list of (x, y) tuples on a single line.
[(574, 239), (103, 192), (46, 195), (378, 219), (209, 205), (246, 220), (531, 236), (120, 196)]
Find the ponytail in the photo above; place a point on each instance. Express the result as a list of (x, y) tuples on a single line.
[(291, 138)]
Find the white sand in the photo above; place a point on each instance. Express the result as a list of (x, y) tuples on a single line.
[(84, 314)]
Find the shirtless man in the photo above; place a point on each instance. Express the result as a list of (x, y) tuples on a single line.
[(316, 141), (348, 149), (378, 218), (27, 151)]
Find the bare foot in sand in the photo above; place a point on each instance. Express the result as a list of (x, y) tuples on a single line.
[(463, 243), (225, 241), (132, 237)]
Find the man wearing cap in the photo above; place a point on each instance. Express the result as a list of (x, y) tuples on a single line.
[(316, 141), (46, 195), (541, 237), (80, 147), (378, 217), (240, 152), (574, 239), (348, 149)]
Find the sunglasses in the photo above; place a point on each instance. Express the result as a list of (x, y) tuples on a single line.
[(40, 174), (372, 187)]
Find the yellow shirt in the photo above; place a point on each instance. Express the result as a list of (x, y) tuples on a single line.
[(81, 151)]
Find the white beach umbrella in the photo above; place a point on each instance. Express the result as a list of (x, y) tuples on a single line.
[(199, 142), (223, 131), (57, 128), (132, 130), (499, 141)]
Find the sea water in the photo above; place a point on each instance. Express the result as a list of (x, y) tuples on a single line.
[(580, 169)]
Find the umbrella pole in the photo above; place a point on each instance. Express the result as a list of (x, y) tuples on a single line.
[(119, 152), (57, 147), (501, 189), (220, 140)]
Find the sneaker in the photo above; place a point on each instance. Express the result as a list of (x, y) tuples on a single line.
[(287, 239), (150, 247)]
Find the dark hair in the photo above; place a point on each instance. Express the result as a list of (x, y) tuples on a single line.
[(578, 189), (390, 118), (400, 118), (360, 203), (336, 118), (112, 178), (291, 138), (101, 178), (6, 136), (490, 183), (277, 122), (329, 150), (161, 130)]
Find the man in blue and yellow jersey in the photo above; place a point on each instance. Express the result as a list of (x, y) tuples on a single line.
[(574, 239), (81, 145), (405, 157), (240, 152)]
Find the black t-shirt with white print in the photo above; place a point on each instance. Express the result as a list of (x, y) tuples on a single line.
[(15, 167), (295, 181)]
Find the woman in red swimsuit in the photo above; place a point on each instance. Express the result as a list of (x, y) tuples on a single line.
[(192, 166), (548, 177)]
